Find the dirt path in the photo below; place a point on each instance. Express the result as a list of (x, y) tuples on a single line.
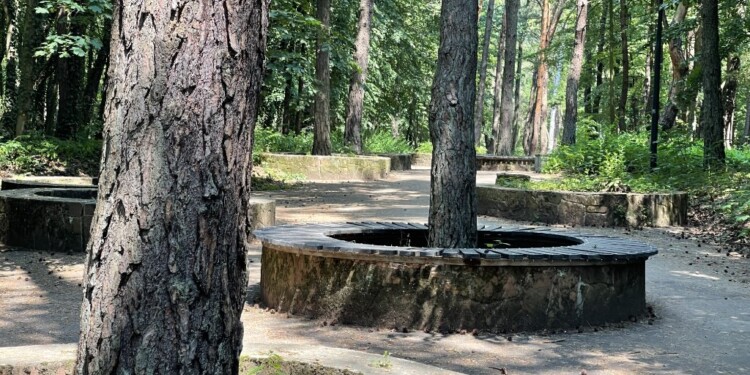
[(700, 297)]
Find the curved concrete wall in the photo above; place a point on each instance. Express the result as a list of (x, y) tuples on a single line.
[(583, 208)]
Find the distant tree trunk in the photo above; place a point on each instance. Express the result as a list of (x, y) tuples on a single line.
[(94, 75), (746, 130), (453, 200), (680, 70), (50, 118), (166, 273), (729, 94), (574, 75), (625, 63), (70, 70), (299, 113), (10, 57), (286, 105), (596, 108), (649, 61), (507, 108), (479, 111), (497, 94), (611, 114), (25, 98), (517, 93), (356, 86), (322, 135), (656, 91), (712, 115), (539, 108)]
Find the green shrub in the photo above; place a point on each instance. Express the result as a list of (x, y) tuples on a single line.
[(34, 154), (383, 142)]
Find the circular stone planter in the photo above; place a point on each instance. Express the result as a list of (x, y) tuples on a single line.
[(47, 219), (375, 274), (329, 168)]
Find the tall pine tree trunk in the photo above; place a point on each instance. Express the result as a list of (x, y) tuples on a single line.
[(596, 108), (625, 63), (322, 135), (507, 109), (746, 129), (517, 92), (10, 57), (94, 76), (165, 275), (479, 110), (497, 94), (453, 199), (540, 104), (574, 75), (352, 132), (680, 70), (712, 115), (25, 100)]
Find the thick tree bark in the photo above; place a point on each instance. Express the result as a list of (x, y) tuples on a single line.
[(507, 108), (479, 110), (453, 199), (322, 135), (354, 111), (165, 275), (574, 75), (497, 93), (729, 94), (25, 99), (625, 64), (712, 115)]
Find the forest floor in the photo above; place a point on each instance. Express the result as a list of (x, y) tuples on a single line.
[(699, 292)]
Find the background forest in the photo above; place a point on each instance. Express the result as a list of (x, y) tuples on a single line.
[(571, 79)]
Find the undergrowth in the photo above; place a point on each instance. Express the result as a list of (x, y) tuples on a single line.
[(40, 155)]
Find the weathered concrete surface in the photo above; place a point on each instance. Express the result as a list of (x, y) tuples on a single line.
[(583, 208), (31, 182), (399, 162), (505, 163), (263, 211), (329, 168), (421, 160), (444, 297)]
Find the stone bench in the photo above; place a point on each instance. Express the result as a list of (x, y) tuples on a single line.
[(522, 278)]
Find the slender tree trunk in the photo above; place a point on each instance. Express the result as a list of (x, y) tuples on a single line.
[(540, 104), (479, 110), (94, 75), (357, 84), (611, 114), (166, 272), (712, 115), (680, 70), (517, 93), (625, 63), (70, 70), (729, 94), (453, 200), (507, 108), (600, 62), (322, 135), (25, 99), (746, 130), (658, 57), (50, 118), (10, 58), (574, 75), (649, 62), (497, 94)]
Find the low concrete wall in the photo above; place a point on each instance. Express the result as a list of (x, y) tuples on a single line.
[(399, 162), (421, 160), (32, 182), (329, 168), (60, 219), (506, 163), (583, 208)]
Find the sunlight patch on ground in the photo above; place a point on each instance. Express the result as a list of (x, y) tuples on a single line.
[(695, 274)]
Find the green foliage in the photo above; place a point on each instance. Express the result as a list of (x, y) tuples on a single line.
[(268, 140), (383, 142), (384, 362), (424, 148), (47, 156), (83, 12)]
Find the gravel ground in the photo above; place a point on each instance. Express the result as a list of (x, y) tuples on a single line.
[(699, 294)]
